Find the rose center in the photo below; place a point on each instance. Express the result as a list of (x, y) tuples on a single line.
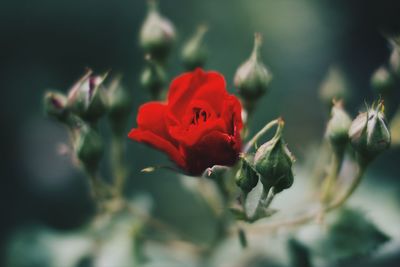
[(199, 115)]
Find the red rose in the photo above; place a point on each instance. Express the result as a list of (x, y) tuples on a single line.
[(199, 125)]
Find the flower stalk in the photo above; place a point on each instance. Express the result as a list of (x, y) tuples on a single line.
[(263, 131)]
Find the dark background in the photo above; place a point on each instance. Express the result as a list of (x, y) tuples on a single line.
[(47, 44)]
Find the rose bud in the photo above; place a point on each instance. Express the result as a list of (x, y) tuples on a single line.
[(157, 34), (382, 81), (198, 126), (119, 106), (334, 86), (273, 161), (194, 53), (153, 78), (395, 128), (369, 134), (252, 77), (87, 97), (394, 60), (246, 177), (55, 105), (88, 147), (338, 126)]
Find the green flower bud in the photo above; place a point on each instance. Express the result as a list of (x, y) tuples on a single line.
[(88, 147), (382, 81), (273, 161), (369, 133), (246, 177), (87, 97), (394, 60), (334, 86), (153, 78), (395, 128), (55, 105), (119, 106), (157, 34), (252, 78), (338, 126), (194, 53)]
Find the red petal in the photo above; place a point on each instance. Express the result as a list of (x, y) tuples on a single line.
[(232, 115), (192, 135), (213, 91), (208, 86), (152, 130), (215, 148), (151, 116), (158, 142)]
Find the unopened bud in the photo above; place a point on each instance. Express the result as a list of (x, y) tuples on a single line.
[(273, 161), (246, 177), (55, 105), (153, 78), (395, 129), (87, 97), (382, 81), (194, 53), (157, 34), (369, 133), (119, 106), (338, 126), (88, 147), (394, 60), (334, 86), (252, 78)]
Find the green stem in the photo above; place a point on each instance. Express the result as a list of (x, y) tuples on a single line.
[(242, 238), (118, 163), (263, 131), (318, 166), (340, 201), (96, 187), (307, 217), (267, 201), (330, 181)]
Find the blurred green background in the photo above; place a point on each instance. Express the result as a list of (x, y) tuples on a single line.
[(47, 44)]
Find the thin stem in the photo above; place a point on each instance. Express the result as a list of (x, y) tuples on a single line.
[(118, 163), (263, 131), (319, 163), (307, 217), (330, 181), (97, 188), (242, 238), (267, 201), (339, 202), (255, 54)]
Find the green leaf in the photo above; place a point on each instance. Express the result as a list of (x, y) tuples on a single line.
[(351, 234)]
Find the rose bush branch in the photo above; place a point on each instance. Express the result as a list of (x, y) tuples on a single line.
[(338, 138), (369, 137), (262, 132)]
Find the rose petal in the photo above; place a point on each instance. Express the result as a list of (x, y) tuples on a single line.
[(191, 136), (208, 86), (188, 132), (213, 91), (152, 130), (151, 117), (160, 143), (215, 148), (232, 115)]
